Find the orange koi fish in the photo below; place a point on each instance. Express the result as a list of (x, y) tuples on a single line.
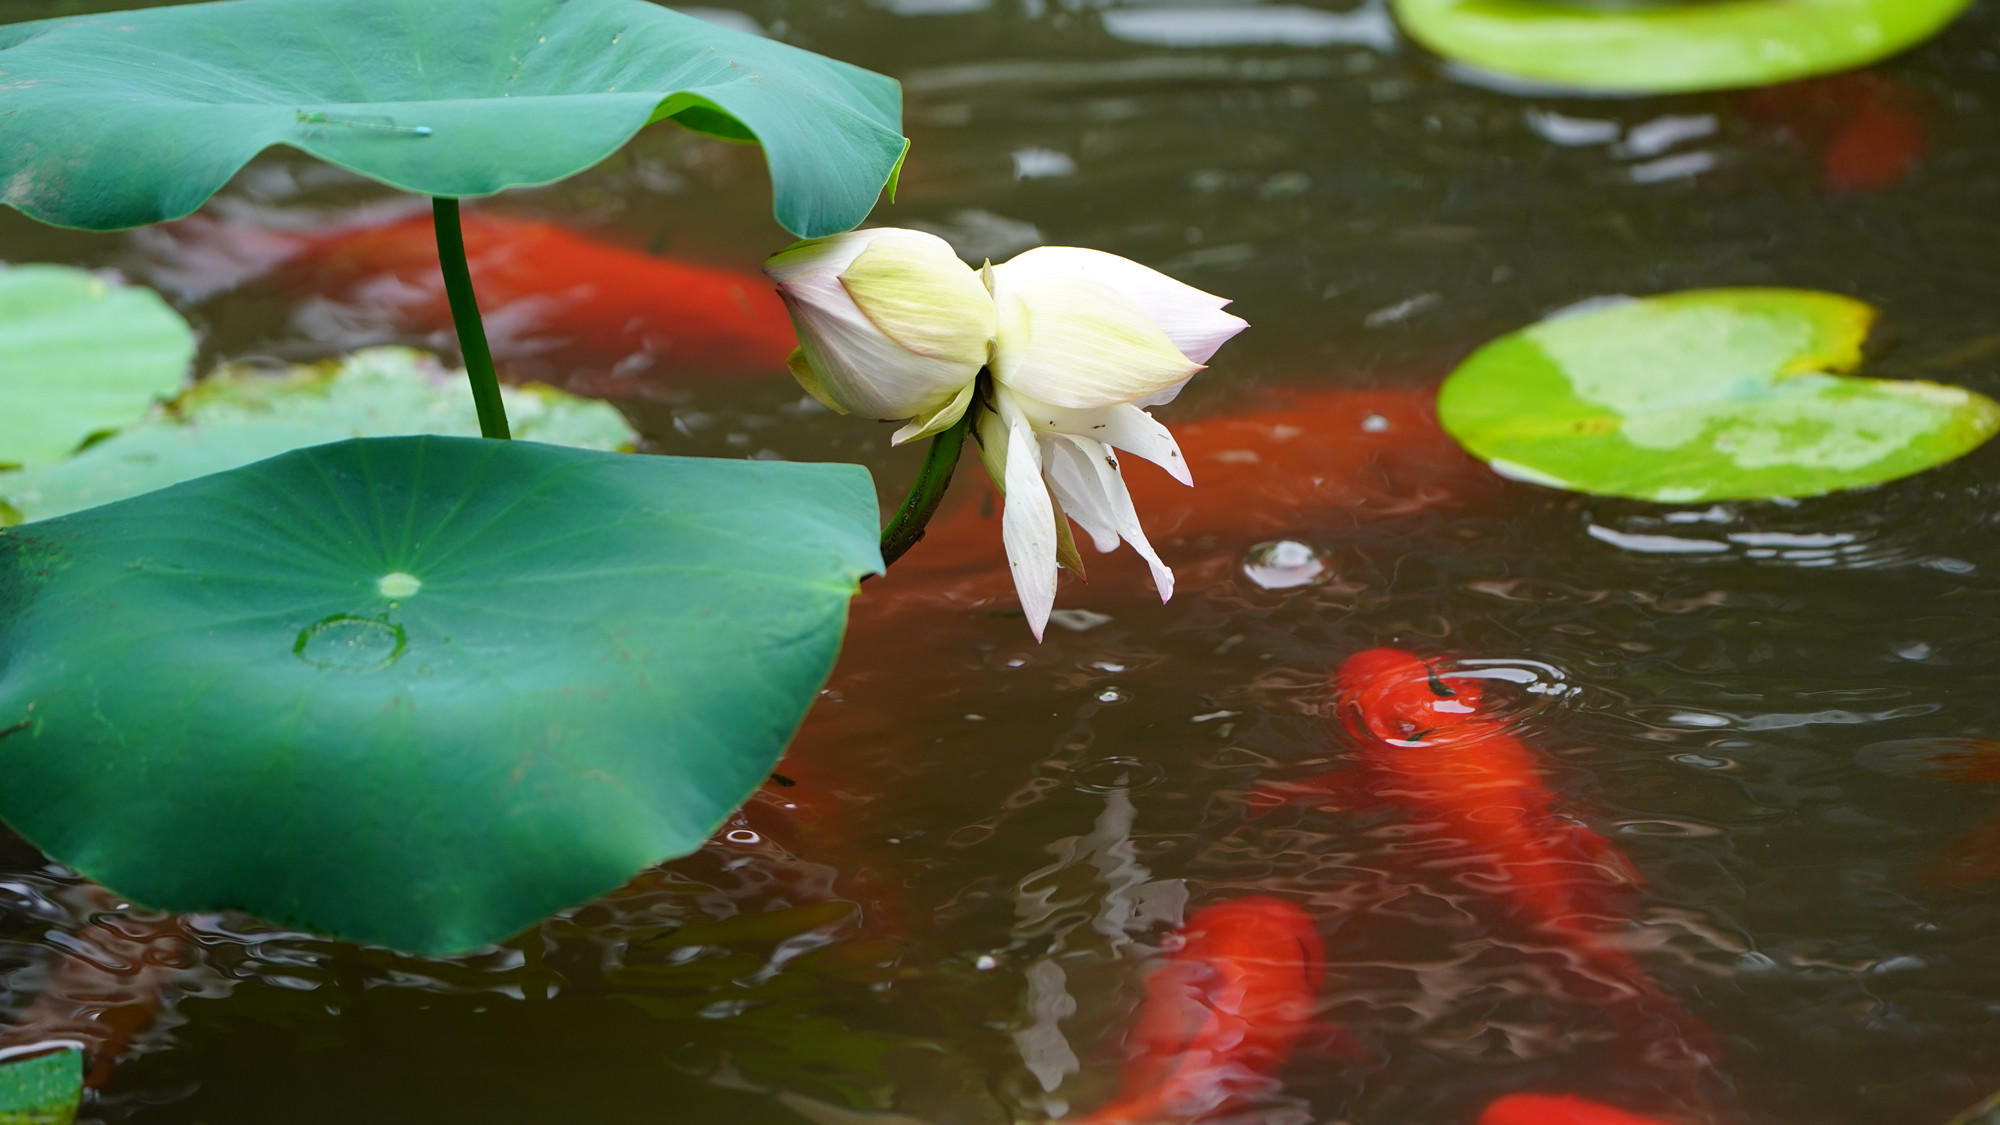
[(558, 306), (1549, 1109), (1426, 744), (1221, 1015), (1867, 130)]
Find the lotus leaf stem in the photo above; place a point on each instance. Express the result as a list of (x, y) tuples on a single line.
[(465, 318)]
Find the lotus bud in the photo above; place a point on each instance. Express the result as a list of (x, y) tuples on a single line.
[(891, 325)]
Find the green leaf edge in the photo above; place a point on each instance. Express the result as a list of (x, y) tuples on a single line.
[(1664, 50)]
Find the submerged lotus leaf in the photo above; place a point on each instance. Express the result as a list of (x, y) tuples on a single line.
[(242, 414), (1668, 47), (41, 1089), (80, 355), (1706, 395), (418, 691), (126, 118)]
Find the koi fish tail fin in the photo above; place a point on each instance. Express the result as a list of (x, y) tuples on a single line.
[(195, 258)]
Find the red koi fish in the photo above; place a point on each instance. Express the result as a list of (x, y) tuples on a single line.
[(558, 306), (1868, 130), (1221, 1015), (1550, 1109), (1426, 744)]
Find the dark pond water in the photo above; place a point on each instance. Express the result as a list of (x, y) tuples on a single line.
[(1744, 698)]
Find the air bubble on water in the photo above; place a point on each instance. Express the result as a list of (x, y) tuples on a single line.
[(1374, 424), (1118, 774), (1283, 564), (1111, 695)]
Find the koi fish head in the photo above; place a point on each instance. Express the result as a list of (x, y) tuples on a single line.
[(1388, 695)]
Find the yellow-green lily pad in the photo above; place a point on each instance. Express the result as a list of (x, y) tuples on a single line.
[(42, 1089), (1669, 47), (1717, 394), (80, 355), (242, 414)]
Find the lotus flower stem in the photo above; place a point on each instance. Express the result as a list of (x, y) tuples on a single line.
[(907, 525), (465, 318)]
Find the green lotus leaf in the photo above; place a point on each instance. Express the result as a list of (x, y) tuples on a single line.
[(41, 1089), (78, 356), (1667, 47), (241, 414), (418, 691), (1706, 395), (127, 118)]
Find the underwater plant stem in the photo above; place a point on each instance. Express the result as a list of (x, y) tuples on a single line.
[(907, 525), (465, 318)]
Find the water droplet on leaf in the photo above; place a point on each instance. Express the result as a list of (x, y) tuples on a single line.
[(355, 644)]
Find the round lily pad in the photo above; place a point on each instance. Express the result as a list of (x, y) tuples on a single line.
[(1669, 46), (242, 414), (1706, 395), (418, 691), (126, 118), (43, 1089), (80, 355)]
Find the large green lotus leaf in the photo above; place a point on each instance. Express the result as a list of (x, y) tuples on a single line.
[(418, 691), (241, 414), (43, 1089), (1666, 47), (79, 355), (127, 118), (1706, 395)]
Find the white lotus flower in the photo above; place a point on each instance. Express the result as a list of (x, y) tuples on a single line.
[(891, 325), (1077, 342), (1084, 340)]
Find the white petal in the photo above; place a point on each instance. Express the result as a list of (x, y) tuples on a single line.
[(1078, 343), (1125, 519), (1192, 319), (913, 286), (1028, 523), (861, 368), (1124, 426), (1075, 485)]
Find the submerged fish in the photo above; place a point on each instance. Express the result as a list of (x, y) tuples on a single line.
[(1285, 465), (1974, 856), (1426, 743), (1221, 1015), (559, 306), (1556, 1109), (1867, 130)]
